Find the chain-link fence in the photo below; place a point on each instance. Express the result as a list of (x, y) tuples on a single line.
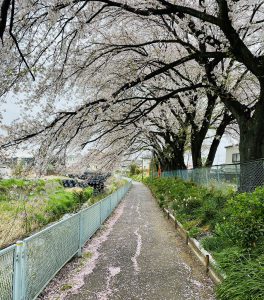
[(6, 272), (27, 267), (242, 176)]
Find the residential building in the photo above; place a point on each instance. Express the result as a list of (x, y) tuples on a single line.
[(232, 154)]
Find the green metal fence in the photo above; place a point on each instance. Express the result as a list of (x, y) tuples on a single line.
[(242, 176), (27, 267), (7, 272)]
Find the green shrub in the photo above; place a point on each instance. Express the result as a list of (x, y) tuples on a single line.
[(82, 196), (212, 244), (246, 214), (236, 226), (88, 192), (194, 232), (244, 280), (189, 201), (61, 203), (134, 169)]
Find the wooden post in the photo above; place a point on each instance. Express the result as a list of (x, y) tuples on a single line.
[(187, 238), (159, 171), (207, 263)]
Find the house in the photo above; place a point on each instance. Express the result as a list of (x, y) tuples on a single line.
[(232, 154), (8, 165), (5, 171)]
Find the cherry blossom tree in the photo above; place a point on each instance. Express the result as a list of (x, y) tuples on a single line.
[(117, 56)]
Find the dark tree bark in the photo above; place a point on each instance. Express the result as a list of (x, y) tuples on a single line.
[(227, 119)]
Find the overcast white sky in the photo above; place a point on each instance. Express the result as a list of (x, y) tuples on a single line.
[(12, 112)]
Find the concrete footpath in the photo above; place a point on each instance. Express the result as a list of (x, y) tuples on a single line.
[(142, 258)]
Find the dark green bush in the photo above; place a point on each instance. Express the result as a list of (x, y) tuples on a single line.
[(61, 203), (194, 232), (134, 169), (236, 226), (189, 201), (88, 192), (244, 281), (246, 214)]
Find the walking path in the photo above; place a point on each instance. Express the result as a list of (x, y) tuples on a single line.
[(140, 256)]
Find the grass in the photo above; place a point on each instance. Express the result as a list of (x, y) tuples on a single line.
[(28, 205), (230, 225)]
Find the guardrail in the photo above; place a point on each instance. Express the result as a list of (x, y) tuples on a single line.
[(28, 266)]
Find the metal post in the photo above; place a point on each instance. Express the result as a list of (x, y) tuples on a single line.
[(19, 272), (206, 174), (117, 197), (110, 204), (79, 254), (237, 177), (218, 177), (100, 204), (142, 170)]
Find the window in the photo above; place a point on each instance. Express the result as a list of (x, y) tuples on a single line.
[(236, 157)]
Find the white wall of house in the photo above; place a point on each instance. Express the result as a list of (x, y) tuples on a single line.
[(5, 172), (232, 154)]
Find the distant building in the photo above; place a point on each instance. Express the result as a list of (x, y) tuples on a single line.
[(143, 162), (5, 172), (232, 154), (8, 164)]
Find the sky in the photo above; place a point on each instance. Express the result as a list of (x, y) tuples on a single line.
[(12, 111)]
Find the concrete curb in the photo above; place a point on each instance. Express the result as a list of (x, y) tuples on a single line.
[(204, 256)]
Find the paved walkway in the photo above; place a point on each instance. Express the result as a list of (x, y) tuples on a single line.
[(143, 258)]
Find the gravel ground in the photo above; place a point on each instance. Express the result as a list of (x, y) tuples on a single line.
[(137, 255)]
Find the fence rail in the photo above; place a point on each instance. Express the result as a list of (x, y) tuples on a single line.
[(243, 176), (27, 267)]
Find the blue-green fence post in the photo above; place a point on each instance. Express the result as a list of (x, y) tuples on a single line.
[(218, 175), (206, 176), (19, 271), (237, 177), (111, 200), (80, 234), (101, 218)]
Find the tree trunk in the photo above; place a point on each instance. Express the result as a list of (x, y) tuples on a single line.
[(178, 161), (196, 146), (252, 150), (227, 119)]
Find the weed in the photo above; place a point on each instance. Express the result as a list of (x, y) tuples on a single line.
[(66, 287)]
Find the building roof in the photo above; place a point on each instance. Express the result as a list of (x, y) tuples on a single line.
[(230, 146)]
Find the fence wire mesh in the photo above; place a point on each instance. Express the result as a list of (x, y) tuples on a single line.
[(244, 177), (46, 252), (91, 221), (114, 200), (251, 175), (105, 208), (6, 273)]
